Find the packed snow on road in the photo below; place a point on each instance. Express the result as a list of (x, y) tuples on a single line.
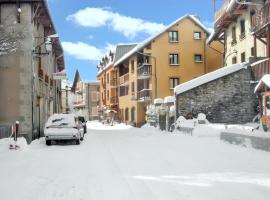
[(125, 163)]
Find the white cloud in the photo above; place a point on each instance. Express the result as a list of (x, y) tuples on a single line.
[(209, 25), (83, 51), (128, 26), (90, 37)]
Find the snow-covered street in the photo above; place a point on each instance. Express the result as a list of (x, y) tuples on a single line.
[(124, 163)]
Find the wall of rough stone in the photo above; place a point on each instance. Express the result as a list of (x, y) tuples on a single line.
[(229, 99)]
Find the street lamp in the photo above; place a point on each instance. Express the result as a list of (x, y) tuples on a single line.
[(225, 60), (48, 45)]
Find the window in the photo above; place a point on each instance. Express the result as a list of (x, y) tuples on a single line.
[(234, 60), (197, 35), (132, 87), (94, 111), (174, 82), (243, 57), (108, 78), (242, 29), (173, 36), (233, 35), (252, 51), (108, 94), (132, 66), (124, 90), (174, 59), (198, 58)]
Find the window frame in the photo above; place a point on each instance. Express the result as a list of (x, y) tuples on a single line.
[(171, 37), (173, 82), (199, 61), (178, 59), (243, 53), (200, 34)]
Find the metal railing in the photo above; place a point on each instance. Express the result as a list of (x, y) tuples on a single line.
[(144, 70), (145, 94)]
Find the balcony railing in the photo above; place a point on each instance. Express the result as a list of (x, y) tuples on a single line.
[(144, 71), (124, 79), (261, 18), (145, 95), (114, 100), (113, 82), (40, 73), (260, 68), (222, 10)]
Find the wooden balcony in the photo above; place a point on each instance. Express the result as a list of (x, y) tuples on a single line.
[(144, 71), (114, 100), (51, 82), (123, 80), (222, 10), (40, 73), (260, 68), (145, 95), (261, 19), (113, 82)]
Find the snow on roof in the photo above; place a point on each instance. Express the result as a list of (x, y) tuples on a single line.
[(265, 80), (258, 62), (209, 77), (169, 99), (231, 5), (148, 40), (158, 101)]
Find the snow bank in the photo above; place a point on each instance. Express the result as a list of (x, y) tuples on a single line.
[(6, 142), (169, 99), (94, 125), (158, 101)]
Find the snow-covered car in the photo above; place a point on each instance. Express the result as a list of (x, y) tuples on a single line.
[(83, 121), (63, 127)]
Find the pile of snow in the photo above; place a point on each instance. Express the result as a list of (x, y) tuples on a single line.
[(265, 80), (94, 125), (158, 101), (6, 142), (169, 99)]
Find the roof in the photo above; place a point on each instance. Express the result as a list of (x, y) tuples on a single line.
[(169, 99), (264, 81), (148, 40), (120, 50), (224, 71), (77, 78)]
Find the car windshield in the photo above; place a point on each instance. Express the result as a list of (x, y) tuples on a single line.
[(61, 121)]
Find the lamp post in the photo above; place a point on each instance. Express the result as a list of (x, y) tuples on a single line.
[(48, 47), (225, 60)]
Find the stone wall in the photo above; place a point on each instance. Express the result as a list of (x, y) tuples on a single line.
[(229, 99)]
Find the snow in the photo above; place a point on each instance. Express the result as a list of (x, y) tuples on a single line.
[(148, 40), (231, 5), (158, 101), (224, 71), (265, 80), (58, 119), (169, 99), (133, 164)]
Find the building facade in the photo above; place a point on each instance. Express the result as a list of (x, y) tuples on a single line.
[(233, 28), (28, 92), (154, 67)]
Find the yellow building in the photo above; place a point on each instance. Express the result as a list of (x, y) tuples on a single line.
[(153, 68), (108, 77)]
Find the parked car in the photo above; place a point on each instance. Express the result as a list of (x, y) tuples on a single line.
[(63, 127), (83, 121)]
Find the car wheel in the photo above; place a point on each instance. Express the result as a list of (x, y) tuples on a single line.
[(82, 138), (48, 142), (78, 142)]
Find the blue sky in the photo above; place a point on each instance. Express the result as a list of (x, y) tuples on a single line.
[(88, 28)]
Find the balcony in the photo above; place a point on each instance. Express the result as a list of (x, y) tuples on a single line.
[(114, 100), (145, 95), (260, 68), (113, 82), (261, 19), (51, 82), (40, 73), (222, 10), (123, 80), (144, 71)]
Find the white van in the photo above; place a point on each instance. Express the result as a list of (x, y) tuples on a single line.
[(63, 127)]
